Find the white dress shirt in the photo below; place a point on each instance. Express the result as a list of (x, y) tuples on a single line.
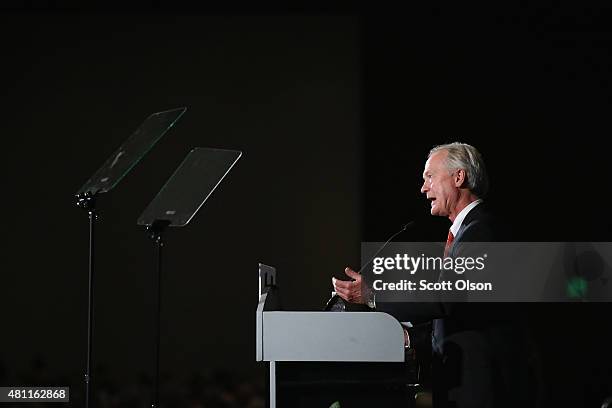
[(454, 229)]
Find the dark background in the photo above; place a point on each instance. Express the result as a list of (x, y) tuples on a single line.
[(335, 109)]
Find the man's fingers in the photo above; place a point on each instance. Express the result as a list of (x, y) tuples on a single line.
[(351, 273), (343, 294), (339, 289), (348, 290), (342, 284), (348, 293)]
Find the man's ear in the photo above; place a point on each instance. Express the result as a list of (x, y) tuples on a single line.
[(459, 178)]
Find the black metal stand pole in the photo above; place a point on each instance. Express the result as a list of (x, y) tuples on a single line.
[(87, 202), (156, 231)]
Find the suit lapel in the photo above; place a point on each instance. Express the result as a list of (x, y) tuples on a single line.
[(471, 216)]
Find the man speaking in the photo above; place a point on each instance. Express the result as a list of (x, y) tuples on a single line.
[(477, 353)]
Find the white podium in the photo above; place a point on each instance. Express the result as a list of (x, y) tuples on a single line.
[(321, 336)]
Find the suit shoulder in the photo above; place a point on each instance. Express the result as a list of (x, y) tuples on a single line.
[(480, 225)]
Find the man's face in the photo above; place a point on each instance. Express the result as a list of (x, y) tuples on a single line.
[(440, 185)]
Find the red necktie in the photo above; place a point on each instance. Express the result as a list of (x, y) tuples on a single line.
[(449, 241)]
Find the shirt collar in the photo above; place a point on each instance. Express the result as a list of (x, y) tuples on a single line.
[(454, 229)]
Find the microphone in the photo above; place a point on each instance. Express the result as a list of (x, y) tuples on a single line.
[(383, 246), (336, 303)]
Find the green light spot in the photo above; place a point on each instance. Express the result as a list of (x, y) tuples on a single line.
[(576, 288)]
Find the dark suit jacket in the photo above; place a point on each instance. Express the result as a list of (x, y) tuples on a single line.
[(451, 317), (477, 226), (476, 347)]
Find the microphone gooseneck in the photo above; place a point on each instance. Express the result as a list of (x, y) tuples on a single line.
[(383, 246), (335, 303)]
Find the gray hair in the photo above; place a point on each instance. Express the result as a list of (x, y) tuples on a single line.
[(465, 157)]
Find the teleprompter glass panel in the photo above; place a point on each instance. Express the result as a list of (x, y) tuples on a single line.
[(131, 151), (190, 186)]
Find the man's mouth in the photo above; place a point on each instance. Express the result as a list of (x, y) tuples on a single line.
[(432, 199)]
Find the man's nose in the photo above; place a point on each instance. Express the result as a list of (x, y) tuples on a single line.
[(424, 187)]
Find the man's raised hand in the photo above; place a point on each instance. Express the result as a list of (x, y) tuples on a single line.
[(351, 291)]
